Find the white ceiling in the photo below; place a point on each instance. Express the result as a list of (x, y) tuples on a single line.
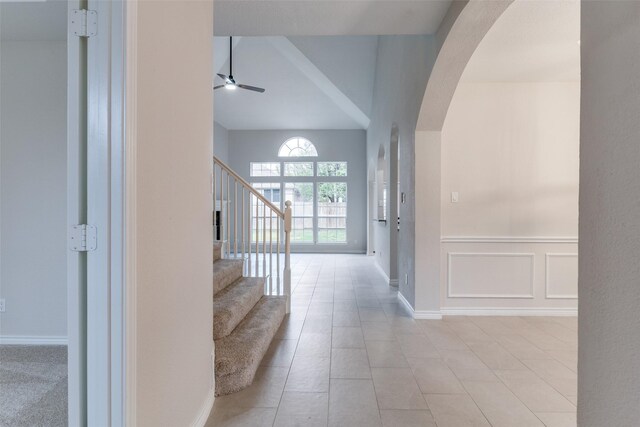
[(327, 17), (310, 82), (28, 21), (534, 40)]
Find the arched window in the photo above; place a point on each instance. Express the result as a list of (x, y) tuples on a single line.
[(297, 147)]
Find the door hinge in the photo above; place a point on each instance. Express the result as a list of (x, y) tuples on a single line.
[(83, 238), (83, 23)]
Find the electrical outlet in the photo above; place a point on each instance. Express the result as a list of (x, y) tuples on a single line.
[(2, 306)]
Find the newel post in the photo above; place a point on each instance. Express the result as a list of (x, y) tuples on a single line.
[(287, 253)]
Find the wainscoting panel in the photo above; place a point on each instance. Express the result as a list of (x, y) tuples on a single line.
[(509, 276), (561, 278), (490, 275)]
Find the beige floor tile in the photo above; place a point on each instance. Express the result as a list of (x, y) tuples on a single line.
[(568, 387), (225, 416), (536, 394), (303, 409), (470, 333), (313, 344), (520, 347), (345, 306), (265, 391), (353, 403), (417, 346), (495, 356), (434, 376), (309, 374), (290, 329), (558, 419), (550, 369), (372, 314), (280, 353), (320, 324), (385, 354), (501, 407), (346, 318), (541, 339), (568, 358), (350, 363), (396, 388), (462, 359), (442, 337), (451, 410), (403, 418), (347, 337), (378, 331), (491, 326)]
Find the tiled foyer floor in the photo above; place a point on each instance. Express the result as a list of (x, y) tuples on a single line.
[(349, 356)]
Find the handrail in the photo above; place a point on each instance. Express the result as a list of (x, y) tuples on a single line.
[(256, 230), (248, 186)]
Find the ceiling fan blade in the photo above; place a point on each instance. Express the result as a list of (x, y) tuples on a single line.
[(218, 87), (253, 88), (223, 77)]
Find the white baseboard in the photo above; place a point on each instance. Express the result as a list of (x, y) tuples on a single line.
[(381, 270), (510, 311), (33, 340), (420, 314), (390, 282), (404, 303), (203, 416), (427, 315)]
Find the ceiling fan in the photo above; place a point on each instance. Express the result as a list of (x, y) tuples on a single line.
[(229, 81)]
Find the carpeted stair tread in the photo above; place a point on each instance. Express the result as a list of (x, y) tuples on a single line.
[(225, 272), (238, 355), (232, 304), (217, 249)]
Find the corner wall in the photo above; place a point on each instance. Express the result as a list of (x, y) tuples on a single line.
[(402, 71), (33, 191), (174, 212), (510, 243), (609, 324)]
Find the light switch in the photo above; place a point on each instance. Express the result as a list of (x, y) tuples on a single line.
[(454, 197)]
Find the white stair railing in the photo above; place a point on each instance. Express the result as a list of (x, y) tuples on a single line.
[(254, 229)]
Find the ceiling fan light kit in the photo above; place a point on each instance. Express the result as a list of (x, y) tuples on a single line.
[(229, 81)]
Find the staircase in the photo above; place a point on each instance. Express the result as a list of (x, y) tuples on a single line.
[(249, 304)]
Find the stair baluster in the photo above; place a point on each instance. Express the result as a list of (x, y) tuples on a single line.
[(237, 216)]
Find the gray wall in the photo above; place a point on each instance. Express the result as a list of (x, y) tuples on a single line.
[(609, 283), (332, 145), (402, 71), (33, 84), (221, 142)]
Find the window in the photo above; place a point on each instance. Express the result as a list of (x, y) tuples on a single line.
[(265, 169), (317, 191), (297, 147), (298, 168), (271, 191), (332, 168), (301, 196), (332, 212)]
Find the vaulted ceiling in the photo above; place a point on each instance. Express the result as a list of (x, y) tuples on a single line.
[(316, 58), (311, 82)]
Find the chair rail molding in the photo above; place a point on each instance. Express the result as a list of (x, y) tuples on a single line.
[(509, 239)]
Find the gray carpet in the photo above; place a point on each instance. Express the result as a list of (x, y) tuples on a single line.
[(33, 386)]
